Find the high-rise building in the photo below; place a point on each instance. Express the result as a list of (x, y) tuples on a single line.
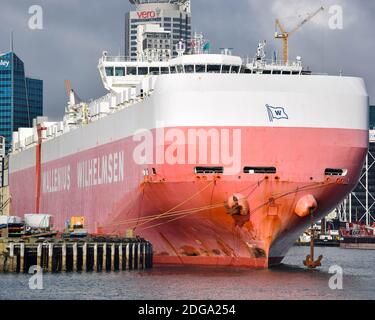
[(172, 15), (372, 117), (21, 98), (153, 43)]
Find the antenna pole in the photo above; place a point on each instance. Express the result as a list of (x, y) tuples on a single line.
[(11, 41)]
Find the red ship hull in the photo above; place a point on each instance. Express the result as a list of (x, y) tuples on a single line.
[(183, 214)]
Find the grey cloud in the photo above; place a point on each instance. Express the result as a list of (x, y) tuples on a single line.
[(77, 31)]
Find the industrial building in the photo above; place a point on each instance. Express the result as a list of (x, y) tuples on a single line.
[(360, 205)]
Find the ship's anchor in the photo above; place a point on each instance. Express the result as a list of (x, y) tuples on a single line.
[(237, 205), (310, 262)]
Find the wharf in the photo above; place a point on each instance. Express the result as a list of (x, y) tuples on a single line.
[(53, 255)]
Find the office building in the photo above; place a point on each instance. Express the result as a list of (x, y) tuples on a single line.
[(174, 16), (21, 98)]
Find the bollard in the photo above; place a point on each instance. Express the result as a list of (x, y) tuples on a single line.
[(104, 262), (39, 255), (75, 253), (127, 266), (95, 267), (113, 257), (22, 258), (50, 257), (11, 257), (84, 257), (120, 262)]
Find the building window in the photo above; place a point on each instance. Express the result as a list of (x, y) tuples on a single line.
[(155, 70), (120, 72), (142, 71), (189, 68), (131, 71), (164, 70), (235, 69), (213, 68), (225, 69), (173, 69), (109, 71), (200, 68)]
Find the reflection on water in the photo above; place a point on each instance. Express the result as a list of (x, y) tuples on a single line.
[(289, 281)]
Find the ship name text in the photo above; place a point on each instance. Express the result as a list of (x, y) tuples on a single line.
[(102, 170)]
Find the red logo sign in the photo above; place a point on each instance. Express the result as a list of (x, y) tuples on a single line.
[(146, 14)]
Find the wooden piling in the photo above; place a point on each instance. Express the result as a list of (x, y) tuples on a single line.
[(127, 254), (138, 255), (113, 257), (50, 257), (84, 257), (63, 258), (144, 256), (104, 262), (22, 258), (133, 256), (11, 257), (120, 259), (39, 255), (95, 267), (75, 254)]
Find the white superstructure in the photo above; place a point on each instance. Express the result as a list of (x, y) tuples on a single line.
[(132, 82)]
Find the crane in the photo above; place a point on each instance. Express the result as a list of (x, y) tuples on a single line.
[(284, 35)]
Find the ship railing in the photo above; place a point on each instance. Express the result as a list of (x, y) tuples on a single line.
[(276, 63), (131, 59), (117, 59)]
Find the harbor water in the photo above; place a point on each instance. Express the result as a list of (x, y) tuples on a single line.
[(289, 281)]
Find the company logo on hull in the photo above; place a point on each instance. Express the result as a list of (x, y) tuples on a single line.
[(276, 113)]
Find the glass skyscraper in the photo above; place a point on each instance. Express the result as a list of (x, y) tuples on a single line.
[(21, 98), (372, 117)]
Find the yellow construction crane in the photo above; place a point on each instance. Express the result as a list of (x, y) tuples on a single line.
[(284, 35)]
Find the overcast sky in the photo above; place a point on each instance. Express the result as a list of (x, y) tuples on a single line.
[(75, 32)]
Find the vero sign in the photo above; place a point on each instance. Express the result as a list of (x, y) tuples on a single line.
[(146, 14)]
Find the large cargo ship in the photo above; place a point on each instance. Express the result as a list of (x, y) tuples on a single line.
[(215, 159)]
